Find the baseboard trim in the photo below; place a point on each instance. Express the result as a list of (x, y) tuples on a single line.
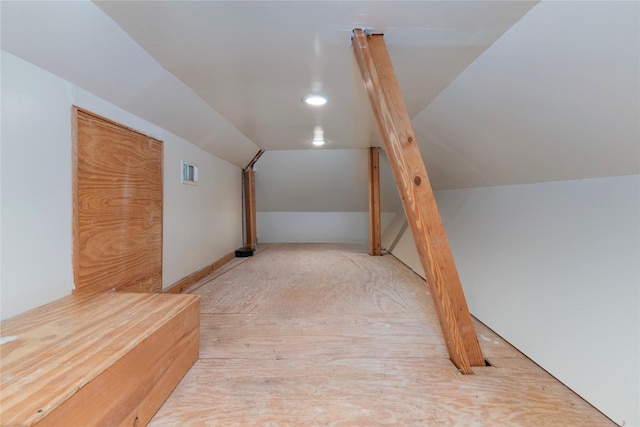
[(185, 283)]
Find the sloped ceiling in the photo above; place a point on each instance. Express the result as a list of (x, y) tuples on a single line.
[(556, 98), (229, 75), (78, 42), (493, 103), (254, 61)]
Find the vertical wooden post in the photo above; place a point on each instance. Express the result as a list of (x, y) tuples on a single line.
[(249, 180), (249, 176), (375, 248), (418, 201)]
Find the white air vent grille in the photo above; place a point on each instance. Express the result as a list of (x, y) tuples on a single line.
[(189, 173)]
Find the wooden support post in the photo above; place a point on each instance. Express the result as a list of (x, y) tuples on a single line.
[(375, 246), (417, 199), (249, 178), (249, 181)]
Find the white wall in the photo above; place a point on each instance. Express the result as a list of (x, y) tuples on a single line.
[(36, 209), (555, 98), (201, 222), (36, 187), (316, 227), (318, 196), (554, 268)]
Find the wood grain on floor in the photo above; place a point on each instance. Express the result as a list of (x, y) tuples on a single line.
[(327, 335)]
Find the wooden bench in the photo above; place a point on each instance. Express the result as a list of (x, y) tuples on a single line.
[(106, 359)]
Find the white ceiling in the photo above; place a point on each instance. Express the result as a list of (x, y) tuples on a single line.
[(495, 99), (254, 61)]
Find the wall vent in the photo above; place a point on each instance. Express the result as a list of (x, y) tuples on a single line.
[(189, 173)]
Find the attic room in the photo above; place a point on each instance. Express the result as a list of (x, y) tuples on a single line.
[(527, 117)]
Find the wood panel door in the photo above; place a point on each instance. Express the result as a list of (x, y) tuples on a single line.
[(117, 212)]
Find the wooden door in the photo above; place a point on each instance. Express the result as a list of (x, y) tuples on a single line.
[(117, 212)]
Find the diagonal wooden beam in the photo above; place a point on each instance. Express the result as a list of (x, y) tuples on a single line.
[(417, 199), (375, 245)]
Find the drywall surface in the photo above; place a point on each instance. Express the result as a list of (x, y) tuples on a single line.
[(36, 187), (316, 227), (393, 231), (201, 223), (552, 99), (78, 42), (318, 196), (553, 268), (321, 180), (405, 250)]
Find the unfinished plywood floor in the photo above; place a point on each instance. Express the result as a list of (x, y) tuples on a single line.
[(326, 335)]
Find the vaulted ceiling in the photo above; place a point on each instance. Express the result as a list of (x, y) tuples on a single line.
[(254, 61), (500, 92)]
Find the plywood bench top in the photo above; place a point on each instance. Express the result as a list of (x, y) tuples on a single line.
[(53, 351)]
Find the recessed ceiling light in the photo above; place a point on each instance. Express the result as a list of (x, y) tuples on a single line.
[(318, 136), (315, 99)]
